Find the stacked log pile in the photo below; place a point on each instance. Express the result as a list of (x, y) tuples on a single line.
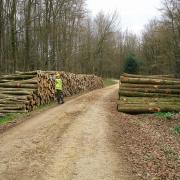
[(148, 94), (24, 91), (76, 83)]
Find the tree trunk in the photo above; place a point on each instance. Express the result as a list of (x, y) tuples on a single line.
[(27, 59), (1, 35), (13, 36)]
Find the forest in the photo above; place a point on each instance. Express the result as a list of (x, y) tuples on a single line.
[(63, 35)]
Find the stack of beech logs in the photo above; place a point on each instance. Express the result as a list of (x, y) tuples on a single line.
[(76, 83), (148, 94), (24, 91)]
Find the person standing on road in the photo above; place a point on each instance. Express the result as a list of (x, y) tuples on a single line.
[(58, 89)]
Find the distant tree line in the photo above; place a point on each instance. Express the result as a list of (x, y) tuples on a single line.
[(58, 35), (62, 35), (160, 45)]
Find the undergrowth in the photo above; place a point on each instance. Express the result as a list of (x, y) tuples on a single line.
[(109, 82), (176, 130), (8, 118), (164, 115)]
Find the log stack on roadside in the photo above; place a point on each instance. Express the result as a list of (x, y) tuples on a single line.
[(76, 83), (24, 91), (148, 94)]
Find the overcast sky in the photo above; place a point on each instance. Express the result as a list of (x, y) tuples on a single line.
[(134, 14)]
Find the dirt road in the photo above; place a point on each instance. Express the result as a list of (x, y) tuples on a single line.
[(68, 142)]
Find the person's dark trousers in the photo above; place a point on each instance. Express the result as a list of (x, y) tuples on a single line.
[(59, 96)]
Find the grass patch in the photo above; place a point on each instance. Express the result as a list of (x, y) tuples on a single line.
[(176, 130), (12, 117), (164, 115), (46, 106), (109, 82), (8, 118)]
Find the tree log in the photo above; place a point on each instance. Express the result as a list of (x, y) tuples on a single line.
[(149, 99), (14, 97), (150, 103), (12, 106), (153, 86), (16, 77), (20, 93), (18, 85), (147, 109), (13, 111), (124, 79), (13, 101), (17, 89), (170, 76), (150, 90), (5, 81), (29, 72), (142, 94)]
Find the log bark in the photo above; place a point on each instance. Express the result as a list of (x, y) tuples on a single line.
[(20, 93), (12, 107), (147, 109), (142, 94), (150, 90), (20, 82), (149, 99), (13, 111), (170, 76), (13, 101), (153, 86), (29, 72), (4, 81), (14, 97), (17, 89), (16, 77), (18, 85), (124, 79), (150, 103)]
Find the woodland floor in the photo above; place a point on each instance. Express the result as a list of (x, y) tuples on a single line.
[(87, 139)]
